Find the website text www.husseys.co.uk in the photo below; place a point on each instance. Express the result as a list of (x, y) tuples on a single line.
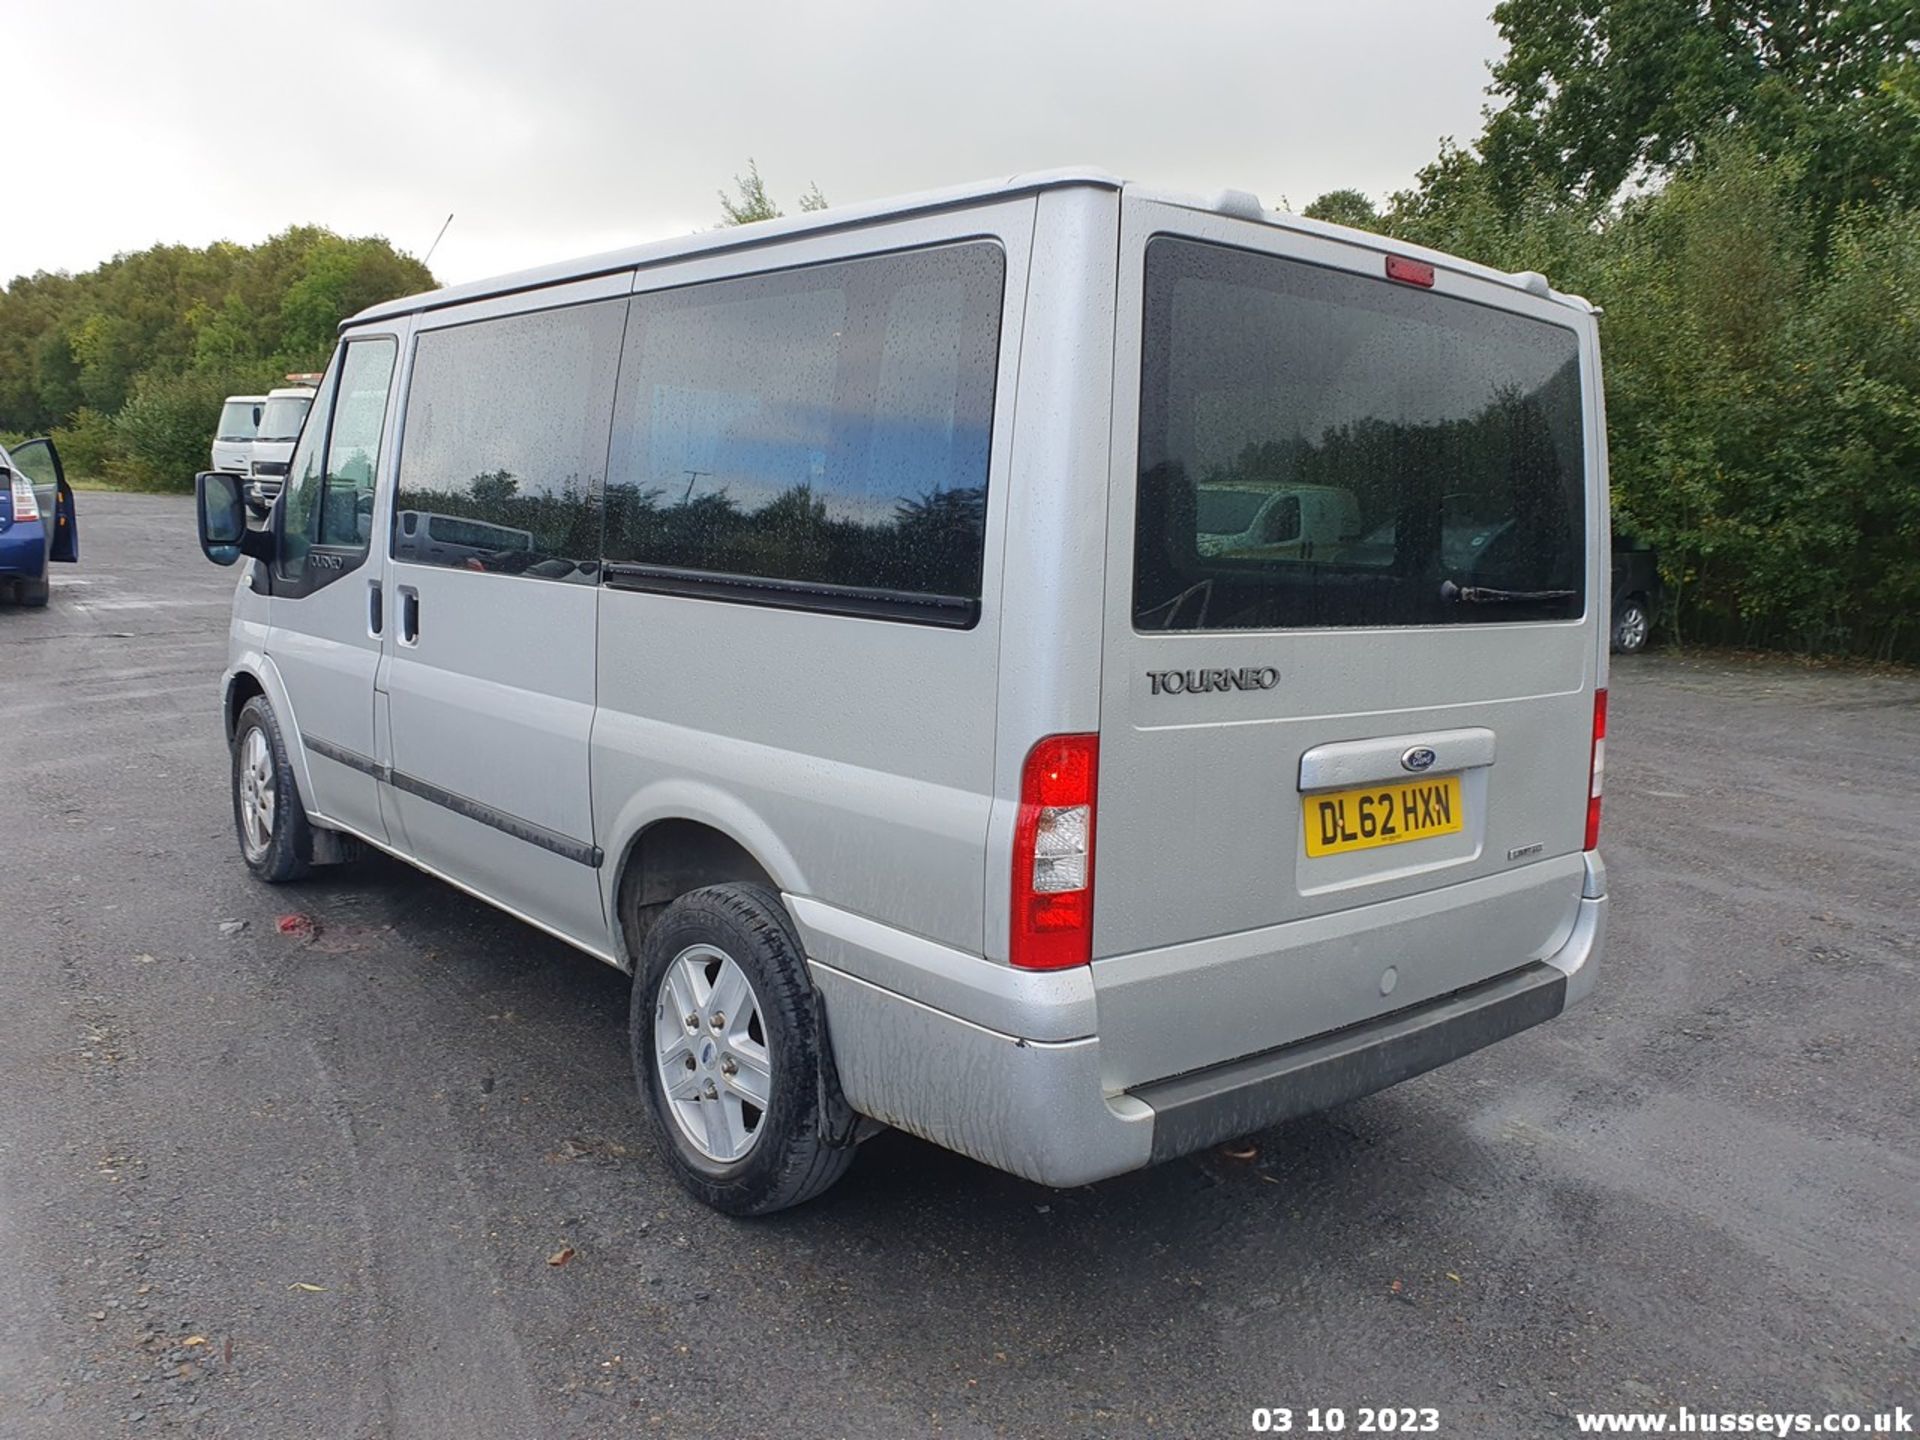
[(1685, 1421)]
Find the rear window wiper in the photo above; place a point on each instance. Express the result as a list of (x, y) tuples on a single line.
[(1482, 595)]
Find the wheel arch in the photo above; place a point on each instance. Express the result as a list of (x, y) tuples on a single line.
[(254, 674), (242, 686), (671, 849)]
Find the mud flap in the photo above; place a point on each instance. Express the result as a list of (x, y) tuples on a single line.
[(840, 1124)]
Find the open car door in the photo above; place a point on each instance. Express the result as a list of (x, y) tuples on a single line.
[(39, 461)]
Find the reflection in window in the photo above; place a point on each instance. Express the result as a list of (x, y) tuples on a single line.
[(1324, 448), (353, 445), (300, 498), (827, 425), (506, 442)]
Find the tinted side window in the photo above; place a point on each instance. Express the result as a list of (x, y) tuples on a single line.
[(506, 443), (825, 427)]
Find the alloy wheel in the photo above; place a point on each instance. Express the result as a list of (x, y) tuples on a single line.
[(710, 1046)]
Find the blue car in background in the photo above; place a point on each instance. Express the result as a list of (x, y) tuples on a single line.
[(37, 524)]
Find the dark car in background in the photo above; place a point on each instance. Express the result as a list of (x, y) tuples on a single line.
[(37, 524), (1638, 592)]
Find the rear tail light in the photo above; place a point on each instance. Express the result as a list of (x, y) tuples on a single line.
[(25, 507), (1053, 855), (1597, 768)]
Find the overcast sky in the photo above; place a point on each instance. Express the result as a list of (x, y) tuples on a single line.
[(555, 128)]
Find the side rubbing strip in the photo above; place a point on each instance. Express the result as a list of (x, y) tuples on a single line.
[(352, 759), (566, 845)]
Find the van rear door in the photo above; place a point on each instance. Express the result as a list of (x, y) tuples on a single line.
[(1340, 780)]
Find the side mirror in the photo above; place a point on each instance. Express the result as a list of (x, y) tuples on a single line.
[(222, 513)]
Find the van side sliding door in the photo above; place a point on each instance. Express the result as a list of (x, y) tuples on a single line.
[(494, 562)]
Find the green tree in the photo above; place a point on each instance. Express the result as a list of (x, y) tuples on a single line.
[(1345, 207), (750, 202), (1594, 94), (117, 363)]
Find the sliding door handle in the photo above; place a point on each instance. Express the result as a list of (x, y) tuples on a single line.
[(409, 615)]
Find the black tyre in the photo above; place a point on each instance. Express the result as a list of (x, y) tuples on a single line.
[(723, 1029), (34, 594), (267, 814), (1631, 625)]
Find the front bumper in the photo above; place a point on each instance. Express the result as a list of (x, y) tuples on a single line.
[(1037, 1108)]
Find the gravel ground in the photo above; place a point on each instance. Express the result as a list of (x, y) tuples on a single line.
[(264, 1185)]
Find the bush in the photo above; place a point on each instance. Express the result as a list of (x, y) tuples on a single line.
[(166, 429), (90, 446)]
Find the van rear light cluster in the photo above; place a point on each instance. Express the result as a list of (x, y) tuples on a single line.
[(1053, 854), (25, 507), (1597, 768)]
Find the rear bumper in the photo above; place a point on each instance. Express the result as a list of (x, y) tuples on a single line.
[(1194, 1111), (23, 551), (1038, 1107)]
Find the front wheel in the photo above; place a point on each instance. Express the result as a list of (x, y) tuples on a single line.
[(272, 824), (723, 1030), (1631, 626)]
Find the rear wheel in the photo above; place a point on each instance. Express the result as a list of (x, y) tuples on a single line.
[(34, 594), (723, 1029), (1631, 625), (267, 814)]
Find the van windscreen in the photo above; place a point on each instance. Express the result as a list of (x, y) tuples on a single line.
[(239, 419), (1430, 447), (282, 416)]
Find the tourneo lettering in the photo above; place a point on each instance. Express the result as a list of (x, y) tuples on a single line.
[(1200, 682)]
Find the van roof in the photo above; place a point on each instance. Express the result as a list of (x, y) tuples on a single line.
[(242, 399), (296, 392), (1237, 203)]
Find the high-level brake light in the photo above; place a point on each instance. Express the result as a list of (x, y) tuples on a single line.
[(1409, 272)]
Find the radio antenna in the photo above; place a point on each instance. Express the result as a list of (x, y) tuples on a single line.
[(427, 259)]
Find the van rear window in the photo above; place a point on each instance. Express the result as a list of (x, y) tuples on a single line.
[(1320, 448)]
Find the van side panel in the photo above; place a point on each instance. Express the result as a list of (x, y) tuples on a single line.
[(1049, 661), (852, 757)]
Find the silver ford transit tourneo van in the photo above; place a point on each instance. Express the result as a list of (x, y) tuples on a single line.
[(818, 620)]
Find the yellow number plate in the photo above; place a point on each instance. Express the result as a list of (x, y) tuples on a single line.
[(1344, 820)]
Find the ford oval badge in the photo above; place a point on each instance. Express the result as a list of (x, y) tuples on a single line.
[(1420, 757)]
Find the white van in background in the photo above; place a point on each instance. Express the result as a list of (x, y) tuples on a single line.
[(1273, 522), (233, 436), (814, 620), (284, 412)]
